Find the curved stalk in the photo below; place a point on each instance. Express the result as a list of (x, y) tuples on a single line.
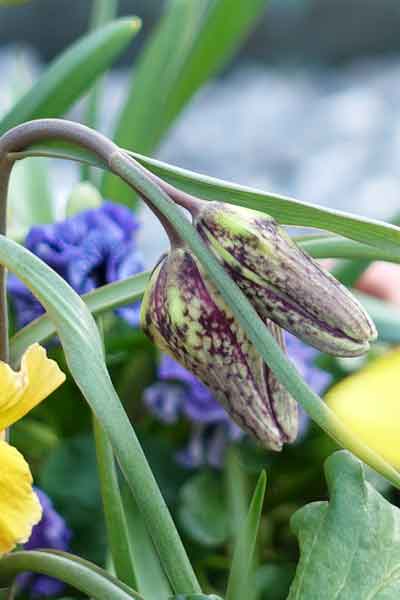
[(123, 165), (80, 574), (157, 516)]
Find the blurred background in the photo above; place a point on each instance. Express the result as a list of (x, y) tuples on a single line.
[(307, 108)]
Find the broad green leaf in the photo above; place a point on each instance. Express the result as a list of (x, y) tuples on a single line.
[(192, 42), (84, 355), (350, 546), (202, 510), (72, 73), (80, 574), (239, 581), (151, 579)]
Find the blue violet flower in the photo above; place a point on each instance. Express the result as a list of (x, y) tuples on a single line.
[(52, 532), (88, 250)]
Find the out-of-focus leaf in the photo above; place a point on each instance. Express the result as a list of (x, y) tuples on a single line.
[(273, 581), (151, 579), (239, 581), (202, 511), (192, 42), (29, 198), (350, 546), (195, 597), (72, 73), (70, 478)]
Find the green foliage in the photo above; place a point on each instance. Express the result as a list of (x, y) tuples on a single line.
[(202, 510), (72, 73), (70, 478), (151, 579), (239, 582), (192, 42), (350, 546)]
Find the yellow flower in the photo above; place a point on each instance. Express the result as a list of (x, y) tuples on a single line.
[(368, 402), (21, 391)]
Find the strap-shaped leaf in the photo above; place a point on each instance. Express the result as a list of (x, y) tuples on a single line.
[(81, 574), (192, 42), (82, 346), (102, 299), (384, 237), (239, 577), (72, 73)]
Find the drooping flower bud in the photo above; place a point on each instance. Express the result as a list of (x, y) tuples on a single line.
[(186, 317), (282, 282)]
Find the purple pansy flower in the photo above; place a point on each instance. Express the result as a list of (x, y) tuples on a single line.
[(179, 393), (52, 532), (88, 250)]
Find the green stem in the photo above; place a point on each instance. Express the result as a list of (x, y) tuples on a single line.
[(80, 574), (98, 301), (154, 510), (114, 512), (124, 166), (117, 527), (5, 171)]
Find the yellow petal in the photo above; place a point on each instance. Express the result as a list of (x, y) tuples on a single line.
[(23, 390), (368, 402), (20, 508)]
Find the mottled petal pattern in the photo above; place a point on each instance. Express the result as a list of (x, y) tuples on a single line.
[(186, 317), (284, 283)]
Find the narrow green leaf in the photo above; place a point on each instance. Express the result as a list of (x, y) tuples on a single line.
[(72, 73), (362, 230), (286, 210), (80, 574), (384, 237), (350, 547), (237, 490), (100, 300), (113, 509), (84, 355), (239, 578), (152, 581), (192, 42), (248, 318)]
